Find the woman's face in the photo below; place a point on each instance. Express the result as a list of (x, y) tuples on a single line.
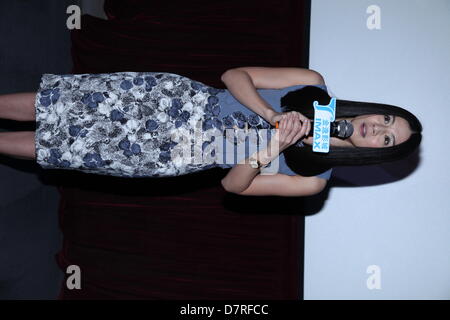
[(378, 131)]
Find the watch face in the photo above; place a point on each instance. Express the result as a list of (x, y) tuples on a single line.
[(253, 163)]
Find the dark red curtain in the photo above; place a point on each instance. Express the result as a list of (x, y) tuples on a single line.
[(182, 237)]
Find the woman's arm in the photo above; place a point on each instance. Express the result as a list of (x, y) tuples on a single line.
[(243, 179), (284, 185), (240, 177), (241, 87), (243, 82), (278, 78)]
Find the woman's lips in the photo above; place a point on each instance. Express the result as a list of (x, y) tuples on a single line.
[(362, 130)]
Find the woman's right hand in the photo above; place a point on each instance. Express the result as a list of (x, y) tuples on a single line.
[(276, 117), (290, 130)]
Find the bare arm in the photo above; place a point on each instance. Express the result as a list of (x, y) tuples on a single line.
[(242, 174), (241, 86), (278, 78), (245, 180), (243, 82), (251, 183), (284, 185)]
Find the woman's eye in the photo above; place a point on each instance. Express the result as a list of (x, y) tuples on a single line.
[(387, 118), (387, 140)]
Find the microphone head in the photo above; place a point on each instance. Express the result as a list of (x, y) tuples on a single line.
[(342, 129)]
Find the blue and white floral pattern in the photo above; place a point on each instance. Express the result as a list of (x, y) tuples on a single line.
[(122, 124), (134, 124)]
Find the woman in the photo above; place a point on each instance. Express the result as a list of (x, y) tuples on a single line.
[(137, 124)]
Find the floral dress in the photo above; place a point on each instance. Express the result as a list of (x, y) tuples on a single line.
[(131, 124), (148, 124)]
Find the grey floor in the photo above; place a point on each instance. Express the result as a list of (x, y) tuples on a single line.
[(33, 40)]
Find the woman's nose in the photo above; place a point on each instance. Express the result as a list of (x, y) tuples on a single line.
[(378, 128)]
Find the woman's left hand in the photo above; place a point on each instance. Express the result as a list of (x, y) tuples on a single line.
[(289, 132)]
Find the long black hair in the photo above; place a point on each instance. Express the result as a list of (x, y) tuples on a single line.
[(305, 162)]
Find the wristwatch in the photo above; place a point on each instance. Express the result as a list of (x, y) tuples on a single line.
[(256, 164)]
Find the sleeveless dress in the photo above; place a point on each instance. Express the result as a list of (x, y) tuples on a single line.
[(147, 124)]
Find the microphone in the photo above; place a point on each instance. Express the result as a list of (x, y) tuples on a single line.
[(342, 129)]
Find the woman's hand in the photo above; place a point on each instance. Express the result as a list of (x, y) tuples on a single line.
[(276, 116), (290, 129)]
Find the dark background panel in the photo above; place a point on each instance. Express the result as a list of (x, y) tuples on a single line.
[(184, 237), (33, 40), (174, 238)]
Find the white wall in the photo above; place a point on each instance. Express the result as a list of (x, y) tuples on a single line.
[(402, 226)]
